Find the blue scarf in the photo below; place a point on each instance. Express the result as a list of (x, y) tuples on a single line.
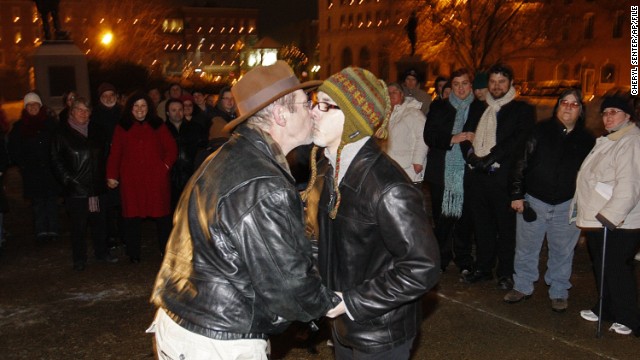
[(454, 162)]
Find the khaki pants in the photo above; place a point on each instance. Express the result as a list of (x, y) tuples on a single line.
[(173, 342)]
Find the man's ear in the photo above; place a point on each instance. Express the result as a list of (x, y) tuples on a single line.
[(279, 114)]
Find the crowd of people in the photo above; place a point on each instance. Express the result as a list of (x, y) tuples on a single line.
[(246, 252), (114, 164)]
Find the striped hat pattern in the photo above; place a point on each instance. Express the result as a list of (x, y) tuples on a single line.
[(364, 100)]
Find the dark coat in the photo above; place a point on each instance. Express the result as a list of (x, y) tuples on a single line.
[(29, 146), (237, 265), (189, 138), (107, 118), (141, 159), (549, 165), (80, 162), (515, 122), (437, 135), (380, 250)]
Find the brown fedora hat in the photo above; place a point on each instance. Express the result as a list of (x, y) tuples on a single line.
[(263, 85)]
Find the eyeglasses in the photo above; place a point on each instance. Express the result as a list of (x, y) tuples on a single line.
[(612, 112), (305, 104), (570, 104), (324, 106)]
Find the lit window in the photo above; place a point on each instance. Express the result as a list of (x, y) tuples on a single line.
[(608, 74)]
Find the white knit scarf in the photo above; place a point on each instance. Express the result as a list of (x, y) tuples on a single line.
[(486, 131)]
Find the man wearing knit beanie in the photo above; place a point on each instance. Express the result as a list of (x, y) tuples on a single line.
[(376, 246)]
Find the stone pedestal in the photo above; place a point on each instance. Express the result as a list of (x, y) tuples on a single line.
[(60, 66)]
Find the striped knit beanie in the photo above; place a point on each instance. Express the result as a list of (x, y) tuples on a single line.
[(364, 100)]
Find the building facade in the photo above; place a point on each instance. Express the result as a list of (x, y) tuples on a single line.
[(172, 40), (593, 49)]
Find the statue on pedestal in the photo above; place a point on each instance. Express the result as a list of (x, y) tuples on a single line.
[(46, 7), (412, 25)]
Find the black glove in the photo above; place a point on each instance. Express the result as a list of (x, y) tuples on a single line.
[(528, 214), (604, 221), (473, 159), (482, 164)]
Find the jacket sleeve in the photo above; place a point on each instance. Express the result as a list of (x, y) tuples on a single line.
[(513, 142), (517, 181), (169, 147), (416, 258), (57, 162), (626, 192), (270, 239), (417, 121), (436, 134), (13, 144), (114, 161)]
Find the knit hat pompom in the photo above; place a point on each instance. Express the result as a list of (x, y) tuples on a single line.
[(364, 100)]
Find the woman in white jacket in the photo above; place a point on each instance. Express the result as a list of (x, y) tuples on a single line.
[(608, 195), (405, 144)]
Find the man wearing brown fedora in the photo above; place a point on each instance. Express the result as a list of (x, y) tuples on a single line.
[(237, 266)]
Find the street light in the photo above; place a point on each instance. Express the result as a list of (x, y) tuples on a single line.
[(107, 38)]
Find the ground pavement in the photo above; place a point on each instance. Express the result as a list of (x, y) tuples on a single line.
[(49, 311)]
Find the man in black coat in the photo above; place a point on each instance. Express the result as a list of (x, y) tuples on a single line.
[(107, 115), (189, 137), (500, 134)]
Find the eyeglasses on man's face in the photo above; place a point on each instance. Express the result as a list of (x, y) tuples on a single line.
[(611, 112), (323, 106), (570, 104)]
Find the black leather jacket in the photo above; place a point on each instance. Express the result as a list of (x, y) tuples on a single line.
[(237, 264), (380, 251), (79, 162), (550, 163)]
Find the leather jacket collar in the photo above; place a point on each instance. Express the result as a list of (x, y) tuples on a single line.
[(265, 144), (360, 166)]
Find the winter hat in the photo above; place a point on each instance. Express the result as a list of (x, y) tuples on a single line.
[(364, 100), (617, 102), (186, 97), (104, 87), (412, 72), (32, 98), (481, 80)]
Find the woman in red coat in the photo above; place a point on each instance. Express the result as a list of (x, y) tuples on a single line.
[(142, 154)]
